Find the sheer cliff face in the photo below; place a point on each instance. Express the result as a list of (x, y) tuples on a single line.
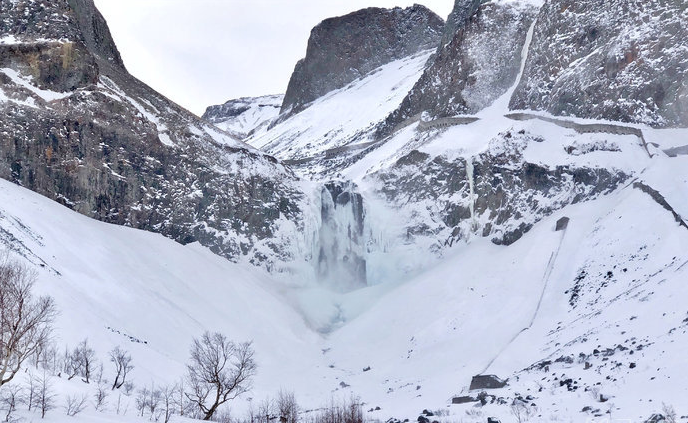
[(345, 48), (461, 12), (79, 129), (623, 60), (476, 65)]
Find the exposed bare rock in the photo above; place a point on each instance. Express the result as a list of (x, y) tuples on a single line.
[(345, 48), (622, 60)]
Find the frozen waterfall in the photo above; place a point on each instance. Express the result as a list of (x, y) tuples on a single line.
[(341, 263)]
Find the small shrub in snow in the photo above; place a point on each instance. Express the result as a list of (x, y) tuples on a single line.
[(669, 413), (522, 411), (128, 388), (10, 397)]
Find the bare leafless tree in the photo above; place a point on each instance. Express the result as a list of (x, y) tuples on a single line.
[(142, 400), (46, 397), (219, 371), (32, 382), (168, 395), (25, 321), (287, 407), (122, 362), (266, 411), (75, 404), (153, 404), (81, 362), (350, 411), (87, 359), (100, 397), (10, 397), (181, 402)]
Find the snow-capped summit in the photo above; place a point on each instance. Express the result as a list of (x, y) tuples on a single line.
[(348, 47), (244, 116)]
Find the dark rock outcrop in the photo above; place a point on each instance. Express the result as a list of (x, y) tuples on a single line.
[(345, 48), (460, 14), (474, 66), (96, 33), (621, 60), (486, 382), (510, 194), (77, 128), (464, 399)]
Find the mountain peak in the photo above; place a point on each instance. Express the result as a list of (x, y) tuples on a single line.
[(345, 48)]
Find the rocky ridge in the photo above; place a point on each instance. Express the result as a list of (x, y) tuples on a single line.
[(478, 61), (244, 116), (345, 48)]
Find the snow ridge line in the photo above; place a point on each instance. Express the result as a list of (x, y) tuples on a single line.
[(659, 199)]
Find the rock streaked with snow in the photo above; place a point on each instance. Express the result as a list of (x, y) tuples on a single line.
[(478, 64), (620, 60), (79, 129), (348, 47), (246, 115)]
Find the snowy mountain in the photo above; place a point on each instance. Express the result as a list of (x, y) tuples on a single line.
[(345, 48), (244, 116), (79, 129), (403, 235)]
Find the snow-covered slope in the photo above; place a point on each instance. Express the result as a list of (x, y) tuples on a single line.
[(343, 116), (613, 277)]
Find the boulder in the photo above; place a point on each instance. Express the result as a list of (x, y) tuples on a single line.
[(464, 399), (486, 382)]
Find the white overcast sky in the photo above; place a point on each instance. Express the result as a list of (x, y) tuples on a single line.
[(204, 52)]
